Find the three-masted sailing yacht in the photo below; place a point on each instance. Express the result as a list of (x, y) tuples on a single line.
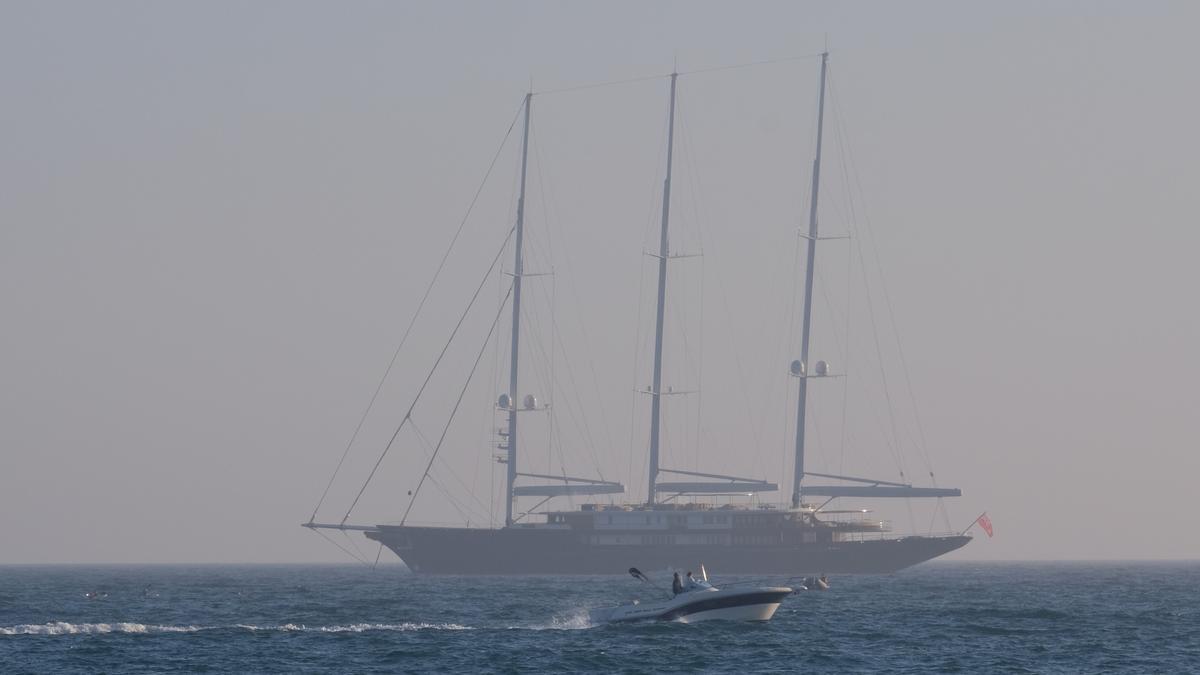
[(672, 528)]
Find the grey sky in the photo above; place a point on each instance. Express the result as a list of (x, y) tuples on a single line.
[(217, 218)]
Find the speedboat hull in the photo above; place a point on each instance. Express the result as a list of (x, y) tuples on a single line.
[(746, 604)]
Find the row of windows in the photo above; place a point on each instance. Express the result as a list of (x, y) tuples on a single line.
[(659, 539), (754, 539), (756, 519), (707, 519), (649, 520)]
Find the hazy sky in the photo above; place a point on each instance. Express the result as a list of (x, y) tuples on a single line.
[(216, 220)]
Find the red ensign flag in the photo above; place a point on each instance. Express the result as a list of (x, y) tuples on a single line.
[(986, 524)]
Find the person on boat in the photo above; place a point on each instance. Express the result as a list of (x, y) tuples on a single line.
[(691, 584), (676, 585)]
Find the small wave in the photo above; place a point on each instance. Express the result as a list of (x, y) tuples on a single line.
[(64, 628)]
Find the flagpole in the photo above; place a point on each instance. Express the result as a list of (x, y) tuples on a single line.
[(973, 523)]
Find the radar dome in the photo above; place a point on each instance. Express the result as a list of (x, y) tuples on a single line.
[(797, 367), (504, 401), (530, 401), (822, 368)]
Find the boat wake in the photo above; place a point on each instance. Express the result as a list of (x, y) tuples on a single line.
[(356, 627), (64, 628), (577, 619)]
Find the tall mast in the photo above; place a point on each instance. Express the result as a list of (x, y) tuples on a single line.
[(802, 404), (656, 387), (518, 271)]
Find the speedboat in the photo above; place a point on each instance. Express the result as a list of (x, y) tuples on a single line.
[(813, 584), (703, 602)]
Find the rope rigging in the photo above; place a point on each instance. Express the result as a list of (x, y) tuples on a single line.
[(571, 396), (699, 71), (921, 442), (853, 184), (457, 403), (432, 370), (459, 506), (420, 305)]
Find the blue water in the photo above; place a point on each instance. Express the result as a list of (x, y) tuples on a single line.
[(939, 617)]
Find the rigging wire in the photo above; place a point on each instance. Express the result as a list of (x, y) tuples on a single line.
[(595, 85), (543, 376), (705, 234), (922, 445), (546, 376), (637, 339), (894, 439), (412, 322), (346, 534), (678, 297), (454, 412), (569, 405), (583, 423), (429, 446), (845, 430), (698, 71), (571, 288), (882, 371), (842, 344), (432, 370), (335, 543), (751, 64), (700, 364), (557, 344), (788, 408), (550, 416)]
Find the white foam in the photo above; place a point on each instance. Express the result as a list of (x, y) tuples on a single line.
[(357, 627), (362, 627), (576, 620), (64, 628)]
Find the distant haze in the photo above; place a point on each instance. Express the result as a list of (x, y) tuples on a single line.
[(217, 218)]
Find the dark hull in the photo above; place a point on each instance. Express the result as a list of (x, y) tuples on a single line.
[(446, 550)]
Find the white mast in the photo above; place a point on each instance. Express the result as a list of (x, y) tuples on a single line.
[(656, 387), (805, 371), (518, 271)]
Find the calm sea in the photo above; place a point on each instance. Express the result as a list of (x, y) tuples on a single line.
[(939, 617)]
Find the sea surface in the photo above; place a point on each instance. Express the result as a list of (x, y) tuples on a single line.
[(938, 617)]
